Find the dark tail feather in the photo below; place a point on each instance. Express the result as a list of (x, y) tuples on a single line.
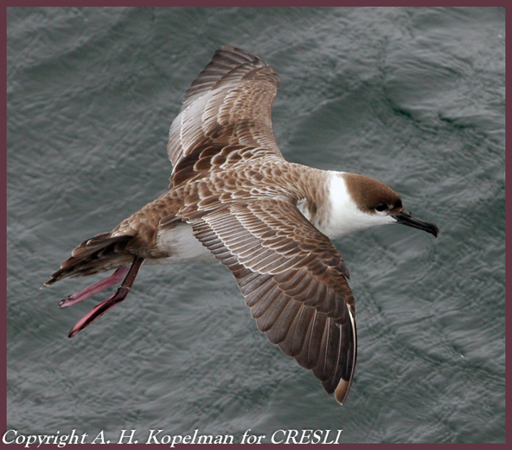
[(98, 254)]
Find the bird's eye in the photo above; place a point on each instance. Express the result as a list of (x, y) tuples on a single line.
[(381, 207)]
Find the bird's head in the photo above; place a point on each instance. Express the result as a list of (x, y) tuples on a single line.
[(360, 202)]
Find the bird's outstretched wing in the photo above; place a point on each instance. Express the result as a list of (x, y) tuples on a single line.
[(294, 281), (229, 104), (292, 277)]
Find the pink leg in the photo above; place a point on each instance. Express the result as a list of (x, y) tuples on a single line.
[(89, 291), (104, 306)]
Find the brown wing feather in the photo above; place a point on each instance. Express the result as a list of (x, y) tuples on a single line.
[(228, 104), (293, 279)]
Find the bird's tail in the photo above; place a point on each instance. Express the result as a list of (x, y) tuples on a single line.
[(98, 254)]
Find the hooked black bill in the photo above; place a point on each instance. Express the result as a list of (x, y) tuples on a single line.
[(405, 217)]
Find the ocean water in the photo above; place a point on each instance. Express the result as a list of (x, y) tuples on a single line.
[(414, 97)]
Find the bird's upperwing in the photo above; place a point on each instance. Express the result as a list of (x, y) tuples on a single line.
[(229, 103), (294, 281)]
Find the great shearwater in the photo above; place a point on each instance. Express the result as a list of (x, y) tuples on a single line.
[(269, 221)]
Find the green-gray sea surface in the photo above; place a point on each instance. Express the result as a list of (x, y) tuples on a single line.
[(414, 97)]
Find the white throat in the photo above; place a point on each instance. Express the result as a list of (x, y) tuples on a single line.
[(345, 216)]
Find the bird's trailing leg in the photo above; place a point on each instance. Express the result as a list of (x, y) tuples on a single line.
[(93, 289), (119, 296)]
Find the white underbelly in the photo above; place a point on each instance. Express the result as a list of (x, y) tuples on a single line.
[(181, 245)]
